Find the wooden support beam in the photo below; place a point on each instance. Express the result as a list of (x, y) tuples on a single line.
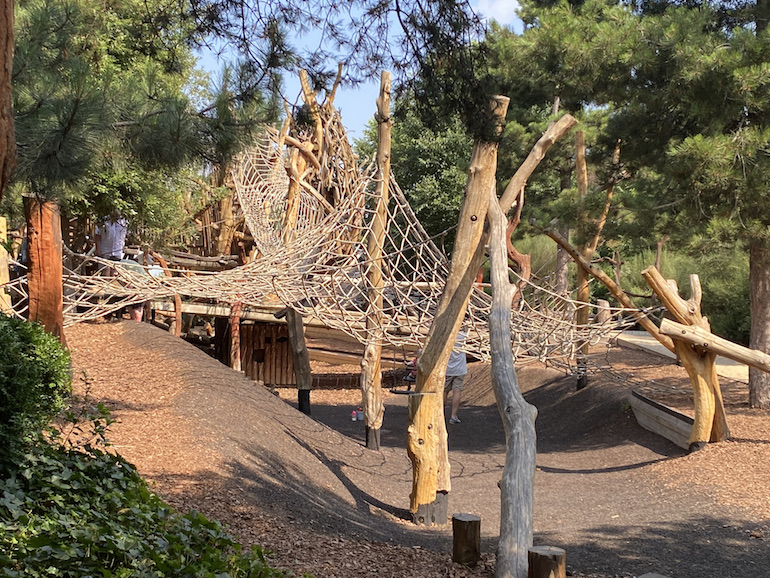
[(300, 359), (706, 340)]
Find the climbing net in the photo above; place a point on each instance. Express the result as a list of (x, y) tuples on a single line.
[(311, 207)]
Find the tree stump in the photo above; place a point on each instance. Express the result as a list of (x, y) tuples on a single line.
[(547, 562), (466, 539)]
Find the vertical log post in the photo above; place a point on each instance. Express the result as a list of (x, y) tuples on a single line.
[(517, 484), (5, 277), (547, 562), (44, 262), (466, 539), (583, 293), (371, 364), (700, 363), (300, 359), (235, 336)]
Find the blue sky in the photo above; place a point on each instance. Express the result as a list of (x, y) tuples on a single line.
[(357, 105)]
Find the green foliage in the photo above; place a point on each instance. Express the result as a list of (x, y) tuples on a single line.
[(430, 166), (724, 276), (35, 382), (69, 513)]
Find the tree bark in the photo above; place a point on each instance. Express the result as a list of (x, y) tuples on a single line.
[(44, 264), (7, 136), (759, 282), (371, 364), (517, 485)]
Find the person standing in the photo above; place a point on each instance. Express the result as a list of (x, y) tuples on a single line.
[(456, 370), (111, 237)]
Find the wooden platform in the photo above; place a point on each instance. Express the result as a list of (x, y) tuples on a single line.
[(661, 419)]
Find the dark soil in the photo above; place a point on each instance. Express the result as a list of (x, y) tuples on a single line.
[(606, 490)]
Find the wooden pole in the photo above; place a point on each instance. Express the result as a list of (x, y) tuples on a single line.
[(371, 364), (5, 298), (518, 416), (583, 293), (300, 359), (699, 337), (235, 336), (44, 264)]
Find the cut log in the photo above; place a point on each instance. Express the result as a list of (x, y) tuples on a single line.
[(547, 562), (466, 539), (44, 262)]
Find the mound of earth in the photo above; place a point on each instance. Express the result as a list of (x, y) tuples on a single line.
[(619, 499)]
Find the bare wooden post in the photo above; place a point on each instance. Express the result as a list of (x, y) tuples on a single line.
[(426, 420), (547, 562), (300, 359), (700, 363), (44, 262), (466, 539), (5, 299), (371, 364), (517, 484), (583, 293), (235, 336)]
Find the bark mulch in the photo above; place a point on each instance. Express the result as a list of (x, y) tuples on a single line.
[(620, 500)]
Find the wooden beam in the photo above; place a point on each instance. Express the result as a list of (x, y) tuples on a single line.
[(708, 341)]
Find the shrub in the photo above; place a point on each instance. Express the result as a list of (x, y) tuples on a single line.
[(71, 513), (35, 381)]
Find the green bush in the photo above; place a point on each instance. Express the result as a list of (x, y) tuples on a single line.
[(70, 513), (35, 380)]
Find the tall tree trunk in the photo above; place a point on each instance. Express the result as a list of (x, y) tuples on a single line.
[(44, 264), (7, 136), (759, 282), (518, 481)]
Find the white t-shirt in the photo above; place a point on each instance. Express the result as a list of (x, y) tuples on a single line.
[(457, 364), (112, 238)]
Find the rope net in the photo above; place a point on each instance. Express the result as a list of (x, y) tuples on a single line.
[(310, 207)]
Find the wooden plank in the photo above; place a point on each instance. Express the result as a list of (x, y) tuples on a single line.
[(662, 420), (334, 357)]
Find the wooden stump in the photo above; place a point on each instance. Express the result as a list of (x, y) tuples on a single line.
[(466, 539), (547, 562)]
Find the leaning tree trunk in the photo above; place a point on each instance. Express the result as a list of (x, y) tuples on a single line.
[(44, 264), (426, 434), (759, 281), (7, 136), (517, 485)]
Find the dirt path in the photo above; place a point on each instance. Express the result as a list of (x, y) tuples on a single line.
[(621, 501)]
